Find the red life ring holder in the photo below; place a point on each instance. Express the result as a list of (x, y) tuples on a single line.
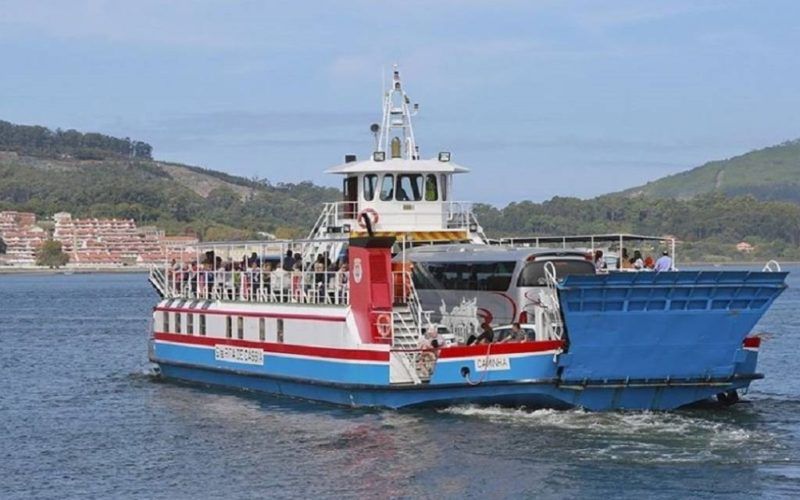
[(384, 324), (373, 217)]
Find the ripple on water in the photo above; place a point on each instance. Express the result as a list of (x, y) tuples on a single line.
[(644, 437)]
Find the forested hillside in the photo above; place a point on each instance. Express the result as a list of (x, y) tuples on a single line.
[(178, 198), (709, 225), (771, 173), (92, 175), (46, 143)]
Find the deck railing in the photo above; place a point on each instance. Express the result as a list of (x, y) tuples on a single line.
[(455, 215), (255, 285)]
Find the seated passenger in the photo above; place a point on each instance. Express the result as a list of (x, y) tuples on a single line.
[(599, 261), (486, 336), (637, 262), (624, 261), (649, 263), (517, 334)]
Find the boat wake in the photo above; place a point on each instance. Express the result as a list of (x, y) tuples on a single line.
[(677, 437)]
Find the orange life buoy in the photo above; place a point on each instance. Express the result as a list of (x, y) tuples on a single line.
[(373, 217), (384, 325)]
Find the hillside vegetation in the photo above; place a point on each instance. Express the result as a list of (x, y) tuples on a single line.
[(771, 173), (178, 198), (46, 143), (717, 204)]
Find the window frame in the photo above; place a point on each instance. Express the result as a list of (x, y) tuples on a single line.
[(428, 178), (390, 196), (373, 187)]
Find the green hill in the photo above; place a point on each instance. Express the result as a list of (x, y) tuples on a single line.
[(771, 173), (91, 175)]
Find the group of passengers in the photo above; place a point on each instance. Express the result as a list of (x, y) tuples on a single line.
[(256, 278), (635, 262)]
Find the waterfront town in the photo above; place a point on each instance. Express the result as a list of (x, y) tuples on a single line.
[(90, 242)]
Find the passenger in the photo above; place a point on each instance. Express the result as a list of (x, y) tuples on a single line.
[(266, 280), (599, 261), (288, 261), (486, 336), (649, 262), (637, 261), (624, 262), (664, 263), (429, 346), (343, 282), (319, 277), (517, 334)]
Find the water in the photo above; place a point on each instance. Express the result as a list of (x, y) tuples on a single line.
[(80, 416)]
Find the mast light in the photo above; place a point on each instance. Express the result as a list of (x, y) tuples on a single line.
[(444, 156), (379, 156)]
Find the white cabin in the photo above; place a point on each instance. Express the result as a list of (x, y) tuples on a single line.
[(395, 192)]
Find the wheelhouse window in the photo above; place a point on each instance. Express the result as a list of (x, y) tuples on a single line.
[(387, 187), (431, 191), (533, 272), (478, 276), (370, 185), (443, 186), (409, 187)]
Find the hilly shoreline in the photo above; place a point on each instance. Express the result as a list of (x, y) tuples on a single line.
[(753, 197)]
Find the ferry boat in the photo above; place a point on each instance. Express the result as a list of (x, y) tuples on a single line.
[(382, 304)]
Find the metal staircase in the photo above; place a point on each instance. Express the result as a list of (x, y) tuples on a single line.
[(409, 324), (158, 279)]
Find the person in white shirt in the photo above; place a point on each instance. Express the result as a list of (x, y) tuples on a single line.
[(664, 263)]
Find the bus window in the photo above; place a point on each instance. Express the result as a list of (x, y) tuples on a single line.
[(533, 273), (387, 188), (488, 276)]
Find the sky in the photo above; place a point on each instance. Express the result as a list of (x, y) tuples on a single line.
[(539, 98)]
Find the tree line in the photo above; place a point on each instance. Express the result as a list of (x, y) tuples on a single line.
[(34, 140)]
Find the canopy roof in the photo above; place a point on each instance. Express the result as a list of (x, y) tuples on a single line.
[(397, 165), (601, 238)]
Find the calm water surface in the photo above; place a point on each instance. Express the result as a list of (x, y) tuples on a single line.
[(80, 416)]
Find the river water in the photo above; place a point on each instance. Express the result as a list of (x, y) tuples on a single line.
[(81, 416)]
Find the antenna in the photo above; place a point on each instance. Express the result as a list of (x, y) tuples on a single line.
[(396, 121)]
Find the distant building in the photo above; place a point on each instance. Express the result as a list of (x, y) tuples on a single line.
[(744, 247), (89, 241), (22, 237)]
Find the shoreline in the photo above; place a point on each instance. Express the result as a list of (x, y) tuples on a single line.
[(72, 270)]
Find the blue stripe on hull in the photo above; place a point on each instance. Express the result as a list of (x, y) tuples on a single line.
[(281, 366), (530, 394)]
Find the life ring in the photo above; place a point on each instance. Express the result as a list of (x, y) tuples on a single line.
[(384, 325), (373, 217)]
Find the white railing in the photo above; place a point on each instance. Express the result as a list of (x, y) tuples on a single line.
[(454, 215), (256, 285)]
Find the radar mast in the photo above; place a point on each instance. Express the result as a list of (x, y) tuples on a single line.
[(396, 132)]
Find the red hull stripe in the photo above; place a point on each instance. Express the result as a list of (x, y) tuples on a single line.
[(247, 314), (752, 342), (269, 347), (509, 348)]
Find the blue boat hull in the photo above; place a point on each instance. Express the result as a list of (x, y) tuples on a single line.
[(531, 394)]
